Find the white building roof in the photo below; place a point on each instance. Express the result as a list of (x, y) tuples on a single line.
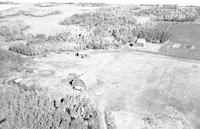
[(139, 40)]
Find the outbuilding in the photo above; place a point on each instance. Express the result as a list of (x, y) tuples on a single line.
[(140, 40)]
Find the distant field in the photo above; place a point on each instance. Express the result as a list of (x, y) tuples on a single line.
[(45, 25), (5, 6), (182, 33)]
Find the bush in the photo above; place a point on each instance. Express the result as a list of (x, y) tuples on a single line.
[(10, 62), (30, 108), (154, 35), (110, 120), (13, 31)]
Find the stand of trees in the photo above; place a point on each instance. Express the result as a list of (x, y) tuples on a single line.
[(174, 15), (30, 108)]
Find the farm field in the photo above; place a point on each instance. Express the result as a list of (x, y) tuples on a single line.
[(96, 66)]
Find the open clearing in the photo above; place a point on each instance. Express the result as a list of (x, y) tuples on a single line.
[(142, 90)]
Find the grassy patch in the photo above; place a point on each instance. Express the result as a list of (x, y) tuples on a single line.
[(182, 33), (180, 52)]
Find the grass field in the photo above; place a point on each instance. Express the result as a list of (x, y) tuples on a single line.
[(184, 34)]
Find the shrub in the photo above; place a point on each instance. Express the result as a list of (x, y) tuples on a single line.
[(154, 35), (30, 107), (13, 31), (10, 62), (110, 120)]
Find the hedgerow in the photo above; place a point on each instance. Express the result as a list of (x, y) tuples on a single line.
[(37, 49), (30, 108)]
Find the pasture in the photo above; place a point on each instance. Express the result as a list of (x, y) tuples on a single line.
[(185, 34)]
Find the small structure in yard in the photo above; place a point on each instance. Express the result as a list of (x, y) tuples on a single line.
[(190, 47), (81, 55), (176, 45), (18, 80), (139, 40), (183, 45), (139, 43), (77, 83)]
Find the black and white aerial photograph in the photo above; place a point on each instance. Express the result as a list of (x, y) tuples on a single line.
[(104, 64)]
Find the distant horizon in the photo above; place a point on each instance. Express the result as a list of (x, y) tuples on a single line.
[(153, 2)]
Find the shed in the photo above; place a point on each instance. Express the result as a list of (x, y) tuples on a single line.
[(18, 80), (139, 40), (193, 47), (176, 45)]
